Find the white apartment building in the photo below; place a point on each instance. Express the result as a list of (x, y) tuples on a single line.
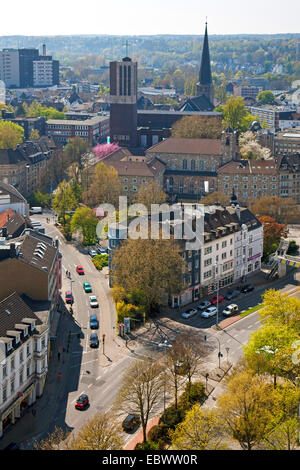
[(42, 73), (10, 67), (233, 247), (23, 359)]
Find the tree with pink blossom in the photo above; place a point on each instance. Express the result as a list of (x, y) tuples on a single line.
[(102, 150)]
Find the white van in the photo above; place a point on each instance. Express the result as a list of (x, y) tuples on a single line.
[(35, 210)]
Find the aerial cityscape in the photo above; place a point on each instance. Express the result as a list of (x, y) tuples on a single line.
[(150, 233)]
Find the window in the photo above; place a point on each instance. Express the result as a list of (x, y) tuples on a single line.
[(208, 262), (4, 393), (28, 350), (224, 244), (207, 274), (193, 165), (125, 180), (184, 165), (4, 371), (12, 363), (208, 250), (21, 356), (224, 255)]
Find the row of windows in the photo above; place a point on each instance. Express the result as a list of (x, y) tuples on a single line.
[(245, 186), (254, 178)]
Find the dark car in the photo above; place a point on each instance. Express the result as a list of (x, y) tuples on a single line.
[(94, 324), (82, 402), (232, 294), (247, 288), (94, 340), (131, 422)]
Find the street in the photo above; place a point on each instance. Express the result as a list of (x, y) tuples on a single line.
[(98, 372)]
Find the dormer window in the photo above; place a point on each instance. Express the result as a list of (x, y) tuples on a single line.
[(8, 346)]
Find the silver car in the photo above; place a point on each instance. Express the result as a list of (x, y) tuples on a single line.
[(189, 313), (210, 312), (93, 301)]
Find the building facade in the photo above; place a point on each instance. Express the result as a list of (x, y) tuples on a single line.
[(123, 102), (93, 130), (23, 359)]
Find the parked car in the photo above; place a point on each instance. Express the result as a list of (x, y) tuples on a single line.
[(230, 310), (247, 288), (216, 300), (87, 287), (94, 340), (79, 270), (94, 324), (35, 210), (204, 305), (232, 294), (210, 312), (93, 301), (92, 252), (101, 250), (69, 297), (131, 422), (82, 402), (189, 313)]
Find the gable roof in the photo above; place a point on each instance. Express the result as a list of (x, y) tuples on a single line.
[(18, 310), (8, 189), (248, 167), (198, 103), (188, 146)]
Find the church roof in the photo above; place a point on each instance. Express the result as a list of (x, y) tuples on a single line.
[(198, 103), (205, 70)]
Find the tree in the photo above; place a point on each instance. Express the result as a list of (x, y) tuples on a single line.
[(285, 434), (265, 97), (40, 199), (235, 114), (283, 210), (85, 221), (54, 440), (64, 200), (197, 127), (101, 432), (250, 149), (270, 350), (105, 186), (34, 135), (10, 135), (246, 408), (73, 152), (279, 309), (153, 267), (141, 391), (102, 150), (190, 86), (217, 197), (150, 193), (272, 234), (201, 429), (36, 109)]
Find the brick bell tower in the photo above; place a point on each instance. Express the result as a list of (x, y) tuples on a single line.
[(123, 102)]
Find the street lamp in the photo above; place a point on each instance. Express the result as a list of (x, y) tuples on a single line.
[(219, 353), (216, 271), (165, 345)]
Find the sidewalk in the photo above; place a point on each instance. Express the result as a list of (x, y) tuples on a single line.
[(139, 436)]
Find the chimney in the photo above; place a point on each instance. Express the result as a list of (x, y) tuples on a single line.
[(12, 250), (238, 211), (4, 232), (44, 49)]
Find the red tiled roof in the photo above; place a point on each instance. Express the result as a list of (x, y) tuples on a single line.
[(246, 167), (3, 217), (188, 146)]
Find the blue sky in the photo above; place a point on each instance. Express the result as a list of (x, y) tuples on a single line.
[(135, 17)]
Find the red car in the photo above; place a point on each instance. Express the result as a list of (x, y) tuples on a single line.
[(82, 402), (69, 297), (80, 269), (214, 300)]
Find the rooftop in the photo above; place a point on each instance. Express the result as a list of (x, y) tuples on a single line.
[(179, 145)]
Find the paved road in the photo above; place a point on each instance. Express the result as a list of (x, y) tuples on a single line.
[(99, 375)]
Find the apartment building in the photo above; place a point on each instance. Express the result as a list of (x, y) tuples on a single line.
[(23, 358), (93, 130), (289, 176), (10, 198), (287, 142), (249, 179), (24, 68), (32, 266)]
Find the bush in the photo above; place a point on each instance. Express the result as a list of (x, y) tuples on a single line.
[(100, 261), (196, 394), (149, 445), (159, 434), (172, 417)]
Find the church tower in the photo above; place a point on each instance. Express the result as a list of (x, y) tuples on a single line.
[(123, 102), (205, 86)]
